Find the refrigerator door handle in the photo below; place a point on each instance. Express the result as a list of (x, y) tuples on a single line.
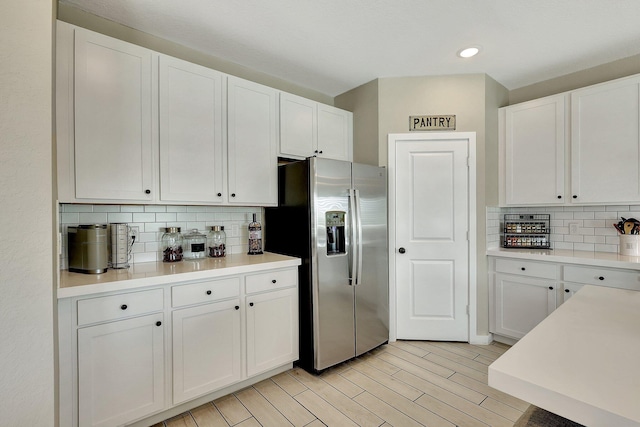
[(353, 261), (358, 231)]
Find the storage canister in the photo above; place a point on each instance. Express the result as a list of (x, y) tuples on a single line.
[(217, 242), (172, 245), (194, 245)]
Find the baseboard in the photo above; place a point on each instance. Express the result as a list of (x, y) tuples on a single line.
[(481, 339)]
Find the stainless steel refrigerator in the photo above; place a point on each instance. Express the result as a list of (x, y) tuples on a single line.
[(333, 215)]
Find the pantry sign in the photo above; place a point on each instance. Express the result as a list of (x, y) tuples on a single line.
[(423, 123)]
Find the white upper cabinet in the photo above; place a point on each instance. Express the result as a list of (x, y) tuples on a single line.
[(113, 119), (192, 152), (335, 133), (605, 144), (298, 126), (252, 123), (308, 128), (534, 152), (600, 165)]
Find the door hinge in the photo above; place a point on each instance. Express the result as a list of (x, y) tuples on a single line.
[(467, 309), (467, 235), (468, 162)]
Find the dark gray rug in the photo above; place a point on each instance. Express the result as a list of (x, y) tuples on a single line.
[(537, 417)]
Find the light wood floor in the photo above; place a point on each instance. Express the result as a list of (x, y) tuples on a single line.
[(407, 383)]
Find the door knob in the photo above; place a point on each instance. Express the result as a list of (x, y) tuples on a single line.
[(402, 250)]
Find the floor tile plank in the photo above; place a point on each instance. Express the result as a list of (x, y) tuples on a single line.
[(231, 409), (409, 347), (458, 367), (439, 381), (410, 408), (434, 389), (251, 422), (500, 408), (289, 384), (340, 401), (284, 403), (323, 410), (483, 388), (263, 411), (420, 361), (207, 415), (337, 381), (475, 411), (449, 412), (387, 380), (385, 411), (182, 420)]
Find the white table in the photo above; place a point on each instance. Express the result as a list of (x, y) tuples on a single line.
[(582, 362)]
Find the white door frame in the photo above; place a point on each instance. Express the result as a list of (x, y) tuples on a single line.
[(474, 338)]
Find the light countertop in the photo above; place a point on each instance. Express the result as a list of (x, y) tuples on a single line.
[(582, 361), (160, 273), (596, 259)]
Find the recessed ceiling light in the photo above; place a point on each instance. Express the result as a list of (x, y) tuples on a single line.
[(468, 52)]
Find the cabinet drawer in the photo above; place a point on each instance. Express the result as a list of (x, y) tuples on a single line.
[(271, 280), (119, 306), (211, 290), (625, 279), (526, 268)]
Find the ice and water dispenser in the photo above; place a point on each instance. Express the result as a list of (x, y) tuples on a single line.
[(334, 221)]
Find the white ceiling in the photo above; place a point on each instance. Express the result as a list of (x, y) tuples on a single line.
[(332, 46)]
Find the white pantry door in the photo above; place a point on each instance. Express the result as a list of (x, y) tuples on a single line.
[(431, 237)]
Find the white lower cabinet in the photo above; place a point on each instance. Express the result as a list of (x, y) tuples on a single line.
[(521, 303), (523, 292), (120, 371), (272, 330), (206, 349), (122, 352)]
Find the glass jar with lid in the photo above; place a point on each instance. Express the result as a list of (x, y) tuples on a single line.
[(172, 245), (216, 241), (194, 244)]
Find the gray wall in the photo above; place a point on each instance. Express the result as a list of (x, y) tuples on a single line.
[(27, 368), (601, 73), (86, 20), (473, 98)]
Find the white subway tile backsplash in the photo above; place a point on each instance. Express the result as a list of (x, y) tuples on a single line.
[(144, 217), (131, 208), (595, 225), (106, 208), (151, 221), (120, 217), (93, 218), (167, 217), (155, 208)]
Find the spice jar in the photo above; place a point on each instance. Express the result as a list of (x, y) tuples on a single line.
[(216, 242), (194, 244), (172, 245)]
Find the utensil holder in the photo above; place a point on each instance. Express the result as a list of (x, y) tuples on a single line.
[(629, 244)]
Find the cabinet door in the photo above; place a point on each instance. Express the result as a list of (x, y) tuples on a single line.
[(569, 290), (206, 349), (113, 99), (298, 126), (605, 144), (191, 145), (521, 303), (534, 152), (120, 371), (252, 146), (272, 330), (335, 133)]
